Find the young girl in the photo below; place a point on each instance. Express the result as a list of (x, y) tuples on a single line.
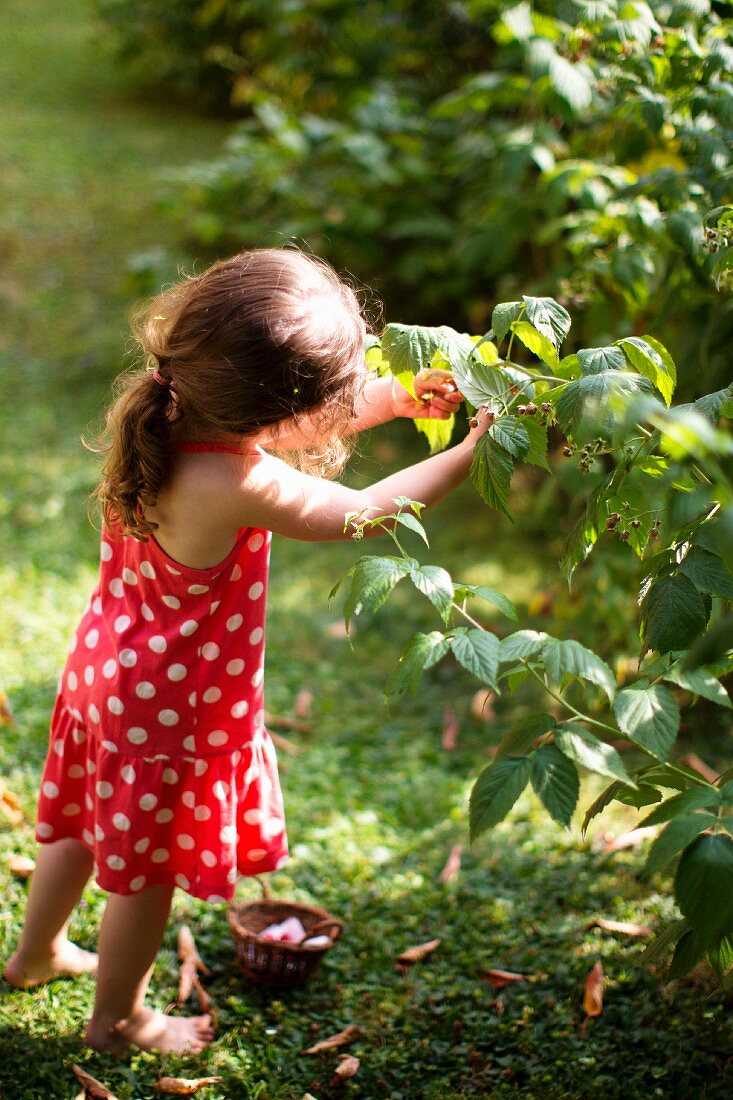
[(160, 771)]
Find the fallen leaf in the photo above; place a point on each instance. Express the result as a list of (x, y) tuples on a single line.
[(191, 963), (593, 999), (499, 978), (203, 996), (347, 1067), (10, 805), (417, 954), (6, 714), (482, 705), (622, 927), (93, 1088), (629, 839), (449, 738), (183, 1086), (452, 864), (22, 866), (692, 760), (303, 703), (348, 1035)]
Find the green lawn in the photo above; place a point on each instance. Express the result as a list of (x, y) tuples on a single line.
[(374, 803)]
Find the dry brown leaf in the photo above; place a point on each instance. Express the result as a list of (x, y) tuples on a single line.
[(186, 979), (191, 963), (93, 1089), (347, 1067), (624, 928), (417, 954), (482, 705), (6, 714), (303, 704), (449, 737), (10, 805), (452, 865), (348, 1035), (629, 839), (187, 948), (499, 978), (21, 866), (183, 1086), (692, 760), (593, 999), (203, 995)]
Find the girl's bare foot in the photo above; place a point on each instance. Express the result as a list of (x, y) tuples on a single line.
[(153, 1031), (66, 961)]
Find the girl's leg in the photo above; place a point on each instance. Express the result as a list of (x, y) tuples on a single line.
[(44, 951), (129, 939)]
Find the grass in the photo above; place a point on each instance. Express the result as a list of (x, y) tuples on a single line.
[(374, 803)]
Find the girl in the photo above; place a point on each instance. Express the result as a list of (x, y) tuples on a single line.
[(160, 771)]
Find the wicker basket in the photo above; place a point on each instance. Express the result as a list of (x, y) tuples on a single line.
[(269, 962)]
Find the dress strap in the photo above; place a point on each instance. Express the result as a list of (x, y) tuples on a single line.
[(227, 448)]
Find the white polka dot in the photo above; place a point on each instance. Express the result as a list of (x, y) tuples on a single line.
[(78, 735), (236, 757), (58, 747), (98, 833), (236, 573), (147, 570), (188, 798), (93, 713), (172, 601), (220, 789), (256, 542), (200, 767), (76, 771), (115, 705), (217, 738), (43, 829), (74, 644), (168, 717), (128, 773), (192, 699), (145, 690), (175, 572), (273, 827), (256, 636), (104, 789), (189, 743), (91, 767), (88, 802), (89, 675), (146, 612), (185, 841), (72, 681), (198, 589), (210, 651), (239, 709), (87, 837), (121, 623), (116, 863), (116, 587), (235, 667), (97, 605), (137, 735), (182, 881), (253, 817), (128, 658), (121, 822), (142, 845), (110, 746), (157, 643), (202, 813), (235, 622), (256, 590), (164, 816), (170, 775), (256, 854), (91, 639), (105, 552), (160, 855), (232, 875), (50, 789), (258, 676), (208, 858), (129, 577), (137, 882), (189, 627), (216, 899), (212, 695), (71, 809), (214, 606), (177, 672), (148, 802), (282, 861), (109, 668), (228, 834)]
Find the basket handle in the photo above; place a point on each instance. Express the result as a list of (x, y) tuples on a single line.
[(327, 922)]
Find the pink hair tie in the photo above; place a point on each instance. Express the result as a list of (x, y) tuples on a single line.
[(158, 377)]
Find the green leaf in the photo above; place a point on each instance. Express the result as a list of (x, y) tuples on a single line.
[(411, 347), (548, 317), (598, 806), (511, 434), (437, 431), (406, 519), (649, 716), (696, 798), (643, 356), (708, 572), (537, 435), (503, 315), (713, 646), (720, 954), (713, 405), (597, 360), (671, 934), (435, 583), (524, 733), (491, 595), (593, 403), (521, 644), (688, 951), (491, 473), (423, 651), (587, 751), (479, 382), (478, 652), (536, 341), (555, 781), (700, 681), (495, 791), (569, 660), (703, 885), (372, 580), (673, 613), (680, 832)]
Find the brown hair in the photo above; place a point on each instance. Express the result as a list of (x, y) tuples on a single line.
[(266, 335)]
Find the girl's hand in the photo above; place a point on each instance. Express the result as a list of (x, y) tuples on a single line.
[(436, 396)]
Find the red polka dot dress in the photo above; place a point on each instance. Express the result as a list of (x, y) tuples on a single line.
[(159, 760)]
